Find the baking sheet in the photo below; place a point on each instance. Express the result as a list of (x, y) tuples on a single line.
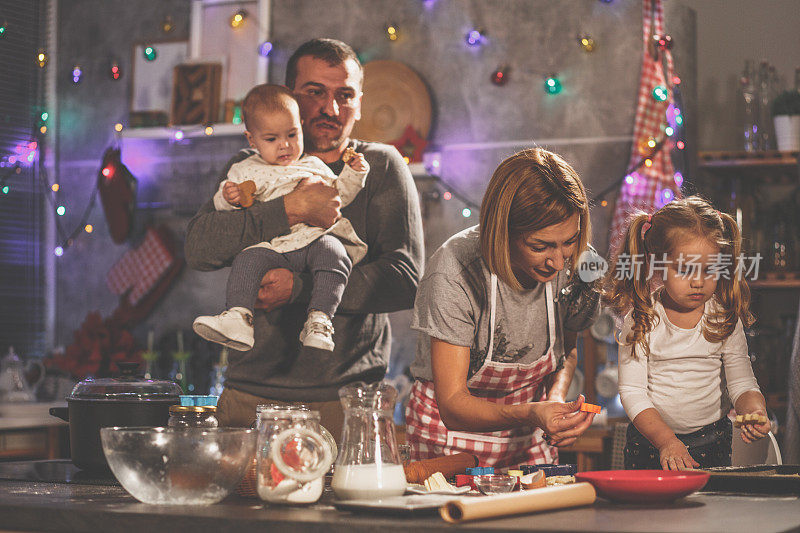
[(415, 488), (397, 504), (758, 479)]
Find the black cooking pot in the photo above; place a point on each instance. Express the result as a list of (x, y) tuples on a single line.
[(128, 400)]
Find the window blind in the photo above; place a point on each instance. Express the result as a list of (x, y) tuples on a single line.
[(22, 203)]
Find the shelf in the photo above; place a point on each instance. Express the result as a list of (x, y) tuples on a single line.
[(775, 283), (761, 167), (189, 130), (768, 159)]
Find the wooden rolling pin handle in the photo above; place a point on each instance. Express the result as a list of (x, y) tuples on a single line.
[(448, 465)]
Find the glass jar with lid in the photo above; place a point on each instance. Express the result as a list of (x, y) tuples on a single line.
[(292, 456), (274, 406), (192, 416)]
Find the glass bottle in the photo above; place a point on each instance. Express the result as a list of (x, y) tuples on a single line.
[(765, 87), (369, 465), (748, 85), (218, 373), (185, 416)]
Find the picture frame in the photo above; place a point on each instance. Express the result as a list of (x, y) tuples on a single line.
[(152, 81), (212, 39), (195, 94)]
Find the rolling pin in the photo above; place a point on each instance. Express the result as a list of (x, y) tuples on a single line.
[(448, 465), (527, 501)]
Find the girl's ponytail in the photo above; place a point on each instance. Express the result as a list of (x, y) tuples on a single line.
[(627, 282), (732, 291)]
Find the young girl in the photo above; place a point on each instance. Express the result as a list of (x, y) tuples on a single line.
[(683, 345)]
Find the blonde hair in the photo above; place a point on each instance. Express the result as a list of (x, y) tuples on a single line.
[(669, 226), (267, 98), (529, 191)]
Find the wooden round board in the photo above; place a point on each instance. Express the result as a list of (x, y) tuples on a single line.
[(394, 97)]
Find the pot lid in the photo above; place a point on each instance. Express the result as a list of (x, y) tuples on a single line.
[(127, 387)]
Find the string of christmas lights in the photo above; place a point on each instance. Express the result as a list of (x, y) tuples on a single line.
[(32, 154), (478, 37), (473, 38), (67, 238)]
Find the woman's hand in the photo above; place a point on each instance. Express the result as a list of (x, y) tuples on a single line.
[(562, 423), (675, 456)]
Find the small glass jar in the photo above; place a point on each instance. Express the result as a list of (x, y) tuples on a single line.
[(292, 456), (329, 438), (189, 416)]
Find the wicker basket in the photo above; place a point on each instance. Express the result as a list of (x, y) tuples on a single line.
[(248, 487)]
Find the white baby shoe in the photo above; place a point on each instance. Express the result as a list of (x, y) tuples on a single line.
[(232, 328), (318, 331)]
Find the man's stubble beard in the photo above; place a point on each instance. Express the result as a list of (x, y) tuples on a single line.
[(328, 145)]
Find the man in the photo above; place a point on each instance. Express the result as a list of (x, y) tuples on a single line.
[(326, 78)]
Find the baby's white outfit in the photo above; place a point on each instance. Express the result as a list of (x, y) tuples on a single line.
[(273, 181)]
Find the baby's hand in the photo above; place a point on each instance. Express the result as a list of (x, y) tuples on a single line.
[(675, 456), (230, 191), (752, 431), (358, 163)]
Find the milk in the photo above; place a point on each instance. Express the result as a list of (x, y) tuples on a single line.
[(368, 482)]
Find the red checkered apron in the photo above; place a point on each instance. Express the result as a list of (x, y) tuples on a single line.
[(645, 189), (504, 383)]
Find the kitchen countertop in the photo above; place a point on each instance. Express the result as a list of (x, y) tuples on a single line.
[(30, 422), (29, 415), (38, 506)]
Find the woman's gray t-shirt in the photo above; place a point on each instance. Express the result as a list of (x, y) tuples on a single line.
[(452, 305)]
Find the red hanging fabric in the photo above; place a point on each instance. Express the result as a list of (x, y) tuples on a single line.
[(644, 188)]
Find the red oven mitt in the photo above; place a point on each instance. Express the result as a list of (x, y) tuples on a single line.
[(117, 188)]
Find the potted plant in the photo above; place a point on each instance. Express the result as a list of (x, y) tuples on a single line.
[(786, 115)]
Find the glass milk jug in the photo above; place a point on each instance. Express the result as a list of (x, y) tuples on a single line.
[(368, 466), (292, 456)]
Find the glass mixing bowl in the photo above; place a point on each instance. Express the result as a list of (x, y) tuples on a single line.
[(178, 466), (495, 484)]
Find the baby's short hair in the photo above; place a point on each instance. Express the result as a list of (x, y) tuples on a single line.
[(267, 98)]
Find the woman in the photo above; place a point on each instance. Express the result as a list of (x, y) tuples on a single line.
[(490, 370)]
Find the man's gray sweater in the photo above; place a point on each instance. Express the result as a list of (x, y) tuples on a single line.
[(386, 215)]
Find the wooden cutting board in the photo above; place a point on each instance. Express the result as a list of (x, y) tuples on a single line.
[(394, 97)]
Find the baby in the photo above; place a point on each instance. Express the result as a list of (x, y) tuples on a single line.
[(274, 131)]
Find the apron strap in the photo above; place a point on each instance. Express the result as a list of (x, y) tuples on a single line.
[(492, 309), (551, 316)]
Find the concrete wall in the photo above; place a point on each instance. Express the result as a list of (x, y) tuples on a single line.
[(534, 37), (728, 33)]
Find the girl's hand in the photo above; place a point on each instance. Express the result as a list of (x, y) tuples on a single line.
[(357, 162), (753, 432), (230, 191), (675, 456), (562, 423)]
